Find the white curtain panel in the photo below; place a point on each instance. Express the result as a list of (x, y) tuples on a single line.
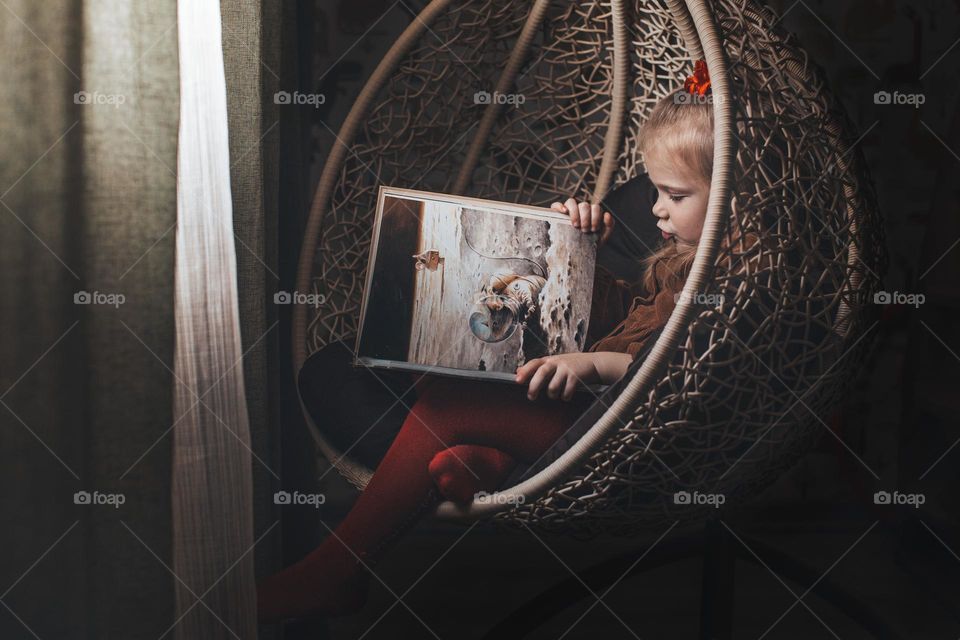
[(212, 483)]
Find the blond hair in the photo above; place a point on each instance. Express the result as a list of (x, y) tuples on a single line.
[(680, 127)]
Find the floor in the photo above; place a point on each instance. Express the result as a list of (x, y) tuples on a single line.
[(446, 581)]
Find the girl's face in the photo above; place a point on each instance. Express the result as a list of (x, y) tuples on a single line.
[(682, 203)]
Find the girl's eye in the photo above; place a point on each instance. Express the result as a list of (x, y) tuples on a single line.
[(676, 198)]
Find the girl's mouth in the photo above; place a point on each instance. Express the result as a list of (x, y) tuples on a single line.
[(666, 236)]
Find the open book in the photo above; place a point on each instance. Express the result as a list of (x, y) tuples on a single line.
[(472, 288)]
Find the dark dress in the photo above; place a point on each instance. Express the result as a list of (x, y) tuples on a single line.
[(361, 411)]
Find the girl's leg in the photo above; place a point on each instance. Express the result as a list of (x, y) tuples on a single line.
[(331, 580)]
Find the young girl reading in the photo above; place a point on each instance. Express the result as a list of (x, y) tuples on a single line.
[(464, 436)]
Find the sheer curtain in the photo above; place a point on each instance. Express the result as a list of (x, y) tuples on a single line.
[(212, 481)]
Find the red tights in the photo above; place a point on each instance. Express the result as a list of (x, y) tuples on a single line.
[(460, 437)]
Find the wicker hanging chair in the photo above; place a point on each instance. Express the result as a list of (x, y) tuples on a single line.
[(729, 395)]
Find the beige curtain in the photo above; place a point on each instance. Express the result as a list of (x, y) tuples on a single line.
[(88, 208)]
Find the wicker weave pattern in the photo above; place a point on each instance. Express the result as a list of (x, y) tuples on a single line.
[(795, 319)]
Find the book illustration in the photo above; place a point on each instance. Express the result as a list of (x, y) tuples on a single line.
[(507, 301)]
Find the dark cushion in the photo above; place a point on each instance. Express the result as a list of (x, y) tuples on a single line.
[(358, 409), (635, 235)]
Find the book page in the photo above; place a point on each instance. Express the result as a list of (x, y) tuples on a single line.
[(476, 289)]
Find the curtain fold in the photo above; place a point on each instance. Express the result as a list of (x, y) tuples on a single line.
[(88, 193), (251, 51)]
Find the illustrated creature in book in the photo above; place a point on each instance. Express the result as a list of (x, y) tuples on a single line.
[(506, 301)]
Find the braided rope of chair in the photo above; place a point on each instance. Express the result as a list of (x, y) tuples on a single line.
[(732, 392)]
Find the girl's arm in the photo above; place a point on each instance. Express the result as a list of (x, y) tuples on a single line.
[(560, 375), (611, 365)]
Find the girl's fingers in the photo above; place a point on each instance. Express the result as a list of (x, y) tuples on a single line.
[(569, 388), (542, 375), (557, 385), (595, 217), (524, 372), (608, 223), (571, 206), (585, 216)]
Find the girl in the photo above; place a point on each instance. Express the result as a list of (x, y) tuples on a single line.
[(464, 436)]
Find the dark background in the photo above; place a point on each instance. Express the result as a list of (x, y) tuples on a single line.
[(898, 429)]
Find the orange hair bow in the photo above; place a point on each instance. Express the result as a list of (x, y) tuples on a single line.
[(699, 82)]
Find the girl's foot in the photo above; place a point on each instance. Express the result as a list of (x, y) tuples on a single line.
[(462, 471)]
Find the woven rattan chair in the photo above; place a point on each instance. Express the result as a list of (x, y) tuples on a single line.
[(730, 394)]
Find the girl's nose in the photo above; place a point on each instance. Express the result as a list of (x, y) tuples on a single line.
[(659, 210)]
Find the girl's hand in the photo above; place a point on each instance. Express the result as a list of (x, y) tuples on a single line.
[(586, 217), (559, 374)]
